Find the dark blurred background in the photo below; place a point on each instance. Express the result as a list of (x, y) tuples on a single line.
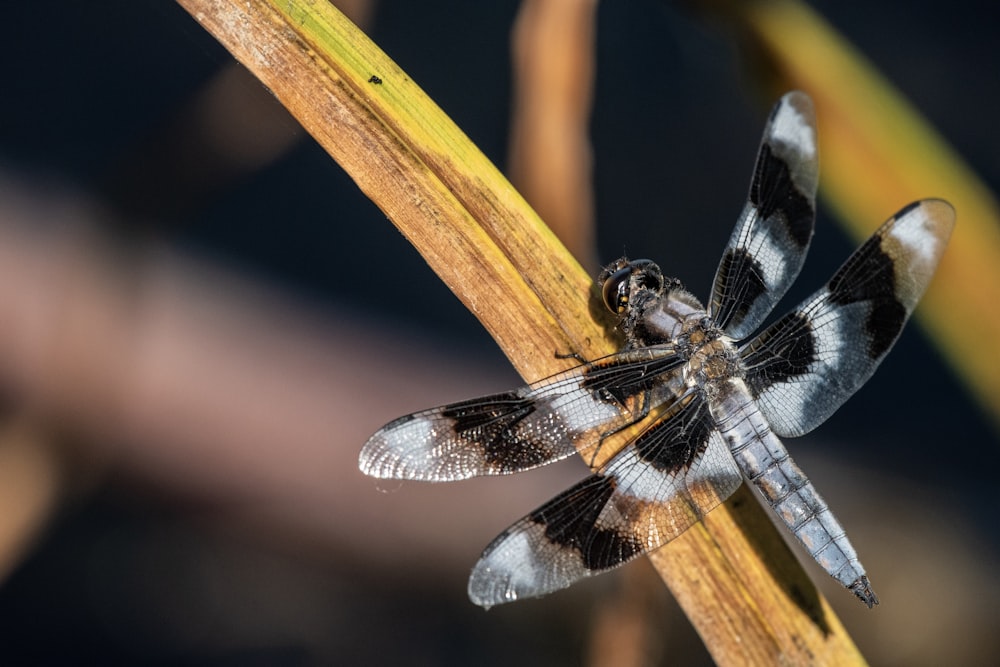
[(202, 319)]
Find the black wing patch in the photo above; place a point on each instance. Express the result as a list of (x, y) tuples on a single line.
[(805, 365)]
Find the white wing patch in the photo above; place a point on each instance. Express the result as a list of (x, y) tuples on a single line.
[(794, 125)]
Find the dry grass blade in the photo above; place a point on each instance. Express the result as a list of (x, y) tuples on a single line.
[(743, 590)]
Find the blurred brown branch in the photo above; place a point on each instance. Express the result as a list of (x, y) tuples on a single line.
[(550, 155), (176, 373)]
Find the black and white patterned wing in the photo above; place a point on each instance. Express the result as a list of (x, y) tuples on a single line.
[(805, 365), (654, 489), (769, 244), (525, 428)]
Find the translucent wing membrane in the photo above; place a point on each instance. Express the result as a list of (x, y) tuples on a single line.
[(771, 238), (805, 365), (525, 428)]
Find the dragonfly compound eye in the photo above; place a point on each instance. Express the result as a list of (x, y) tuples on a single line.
[(616, 290)]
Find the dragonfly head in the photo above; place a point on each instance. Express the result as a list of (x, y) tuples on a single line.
[(621, 281)]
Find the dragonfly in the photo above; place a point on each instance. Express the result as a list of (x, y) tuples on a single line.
[(706, 398)]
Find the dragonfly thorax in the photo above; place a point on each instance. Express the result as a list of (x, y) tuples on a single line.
[(711, 355), (657, 310)]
